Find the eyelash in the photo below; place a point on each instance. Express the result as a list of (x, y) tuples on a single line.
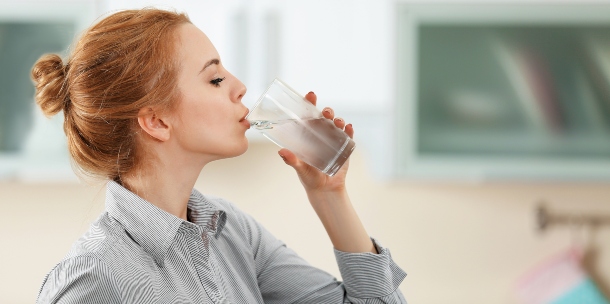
[(216, 82)]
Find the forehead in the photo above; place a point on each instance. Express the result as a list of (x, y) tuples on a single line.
[(194, 46)]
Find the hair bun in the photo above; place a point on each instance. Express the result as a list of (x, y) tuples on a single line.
[(49, 74)]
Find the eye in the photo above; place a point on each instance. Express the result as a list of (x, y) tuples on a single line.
[(216, 82)]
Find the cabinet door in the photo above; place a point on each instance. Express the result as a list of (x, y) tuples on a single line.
[(31, 145), (503, 91)]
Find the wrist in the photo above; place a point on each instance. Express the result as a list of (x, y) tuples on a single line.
[(327, 197), (340, 220)]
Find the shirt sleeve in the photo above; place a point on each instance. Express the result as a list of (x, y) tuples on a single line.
[(80, 280), (368, 275), (284, 277)]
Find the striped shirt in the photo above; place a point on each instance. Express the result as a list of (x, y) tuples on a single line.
[(138, 253)]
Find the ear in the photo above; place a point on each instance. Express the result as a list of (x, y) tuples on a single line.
[(153, 124)]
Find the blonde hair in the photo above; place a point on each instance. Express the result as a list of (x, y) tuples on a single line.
[(119, 65)]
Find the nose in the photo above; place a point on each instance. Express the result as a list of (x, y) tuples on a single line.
[(239, 91)]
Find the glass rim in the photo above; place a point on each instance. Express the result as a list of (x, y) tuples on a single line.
[(260, 98)]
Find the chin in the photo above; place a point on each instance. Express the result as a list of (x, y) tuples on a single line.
[(238, 150), (243, 149)]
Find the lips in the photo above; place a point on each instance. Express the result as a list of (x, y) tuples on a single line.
[(245, 114), (243, 120)]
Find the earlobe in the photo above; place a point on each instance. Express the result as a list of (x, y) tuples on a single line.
[(153, 124)]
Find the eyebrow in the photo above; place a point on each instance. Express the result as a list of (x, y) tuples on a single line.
[(209, 63)]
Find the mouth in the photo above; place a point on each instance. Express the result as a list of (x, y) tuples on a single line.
[(243, 120), (244, 117)]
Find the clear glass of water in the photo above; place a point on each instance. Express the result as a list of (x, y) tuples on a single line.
[(290, 121)]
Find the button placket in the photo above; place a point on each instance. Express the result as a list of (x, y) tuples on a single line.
[(216, 268), (200, 252)]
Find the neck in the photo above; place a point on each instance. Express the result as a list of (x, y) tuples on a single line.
[(166, 184)]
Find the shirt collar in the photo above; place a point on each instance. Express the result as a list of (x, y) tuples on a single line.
[(206, 214), (153, 228)]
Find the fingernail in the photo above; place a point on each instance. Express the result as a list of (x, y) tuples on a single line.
[(282, 156), (339, 119), (311, 92), (349, 125), (327, 111)]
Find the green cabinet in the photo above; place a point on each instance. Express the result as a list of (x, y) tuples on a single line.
[(496, 91)]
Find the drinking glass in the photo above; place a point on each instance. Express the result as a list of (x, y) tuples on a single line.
[(290, 121)]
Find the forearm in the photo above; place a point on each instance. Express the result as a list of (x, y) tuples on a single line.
[(341, 221)]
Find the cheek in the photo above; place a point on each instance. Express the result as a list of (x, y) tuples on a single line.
[(209, 121), (207, 118)]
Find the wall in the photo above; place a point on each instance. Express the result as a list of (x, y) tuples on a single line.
[(459, 243)]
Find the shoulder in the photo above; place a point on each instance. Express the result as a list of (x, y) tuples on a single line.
[(97, 262), (106, 242), (105, 236), (100, 236), (78, 278)]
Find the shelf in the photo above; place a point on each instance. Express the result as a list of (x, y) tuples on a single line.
[(507, 144)]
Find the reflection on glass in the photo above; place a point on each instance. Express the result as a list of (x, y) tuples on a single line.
[(514, 90)]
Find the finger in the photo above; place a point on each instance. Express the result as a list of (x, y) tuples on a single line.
[(311, 97), (339, 122), (291, 159), (349, 130), (328, 113), (302, 169)]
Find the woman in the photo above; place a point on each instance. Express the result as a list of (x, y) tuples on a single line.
[(147, 104)]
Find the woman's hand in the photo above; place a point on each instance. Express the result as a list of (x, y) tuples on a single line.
[(329, 198), (312, 178)]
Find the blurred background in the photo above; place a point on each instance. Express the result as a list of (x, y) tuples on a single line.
[(483, 133)]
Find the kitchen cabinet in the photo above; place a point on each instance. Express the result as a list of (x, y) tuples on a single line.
[(33, 147), (503, 91)]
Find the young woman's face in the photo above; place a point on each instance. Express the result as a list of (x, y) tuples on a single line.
[(209, 115)]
